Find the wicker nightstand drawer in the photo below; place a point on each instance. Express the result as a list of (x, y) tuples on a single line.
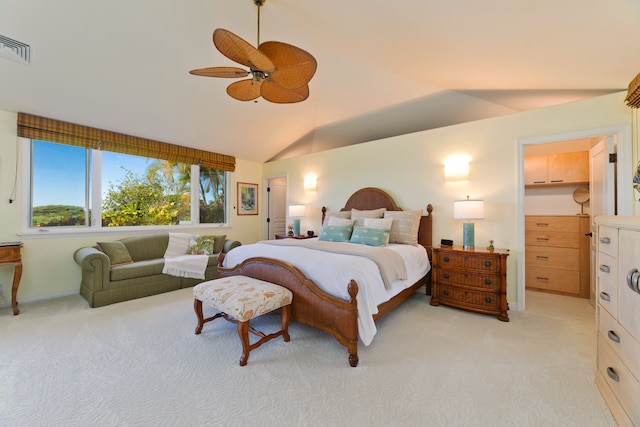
[(483, 282), (478, 262), (478, 300)]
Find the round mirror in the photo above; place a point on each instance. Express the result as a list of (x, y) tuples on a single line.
[(581, 196)]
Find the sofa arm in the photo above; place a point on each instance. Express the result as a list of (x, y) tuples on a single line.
[(96, 267), (230, 244)]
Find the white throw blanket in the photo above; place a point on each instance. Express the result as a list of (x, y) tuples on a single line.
[(178, 263)]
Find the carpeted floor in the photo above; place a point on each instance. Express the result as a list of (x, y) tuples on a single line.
[(138, 363)]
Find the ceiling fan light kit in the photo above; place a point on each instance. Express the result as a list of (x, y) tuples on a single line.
[(280, 72)]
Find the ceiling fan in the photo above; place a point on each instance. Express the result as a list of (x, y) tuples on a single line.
[(280, 72)]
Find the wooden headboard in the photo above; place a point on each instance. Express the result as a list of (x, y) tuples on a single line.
[(374, 198)]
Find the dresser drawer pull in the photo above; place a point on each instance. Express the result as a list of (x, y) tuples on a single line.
[(445, 275), (487, 300), (541, 257), (542, 239), (487, 282), (487, 263), (605, 296), (613, 337), (557, 180), (446, 292), (605, 240), (541, 278), (633, 277), (605, 268), (445, 259), (612, 374), (542, 224)]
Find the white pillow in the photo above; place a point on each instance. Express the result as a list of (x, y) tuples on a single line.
[(359, 215), (384, 223), (338, 214), (404, 228), (334, 220)]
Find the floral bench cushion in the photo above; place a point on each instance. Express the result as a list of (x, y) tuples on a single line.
[(242, 297)]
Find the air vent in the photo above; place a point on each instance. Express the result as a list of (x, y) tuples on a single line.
[(13, 49)]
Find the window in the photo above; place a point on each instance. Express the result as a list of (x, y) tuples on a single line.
[(73, 186)]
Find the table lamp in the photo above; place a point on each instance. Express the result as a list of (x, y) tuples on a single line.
[(468, 210), (295, 212)]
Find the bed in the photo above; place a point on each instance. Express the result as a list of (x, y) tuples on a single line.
[(344, 308)]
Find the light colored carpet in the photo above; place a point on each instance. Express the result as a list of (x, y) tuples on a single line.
[(139, 363)]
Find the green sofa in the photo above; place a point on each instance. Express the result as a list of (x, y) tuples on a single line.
[(104, 283)]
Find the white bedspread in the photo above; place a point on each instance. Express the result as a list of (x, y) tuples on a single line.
[(332, 273)]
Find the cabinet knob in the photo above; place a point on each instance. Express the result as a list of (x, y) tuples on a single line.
[(605, 296), (487, 263), (446, 292), (445, 275), (612, 374), (487, 300), (487, 282), (605, 240), (613, 336), (605, 268), (445, 259)]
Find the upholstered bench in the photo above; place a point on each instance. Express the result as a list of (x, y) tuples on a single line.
[(239, 299)]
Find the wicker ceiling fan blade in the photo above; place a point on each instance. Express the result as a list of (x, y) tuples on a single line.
[(244, 90), (227, 72), (275, 93), (240, 51), (294, 67)]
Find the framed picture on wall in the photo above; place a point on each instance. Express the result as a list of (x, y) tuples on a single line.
[(247, 199)]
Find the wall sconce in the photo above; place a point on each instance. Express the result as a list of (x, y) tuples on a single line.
[(467, 210), (456, 168), (311, 182), (296, 212)]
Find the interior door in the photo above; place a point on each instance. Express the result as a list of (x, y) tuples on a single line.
[(602, 194), (277, 207)]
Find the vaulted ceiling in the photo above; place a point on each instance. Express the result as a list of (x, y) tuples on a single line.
[(384, 67)]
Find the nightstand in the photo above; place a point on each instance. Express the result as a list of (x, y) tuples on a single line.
[(471, 279), (299, 237)]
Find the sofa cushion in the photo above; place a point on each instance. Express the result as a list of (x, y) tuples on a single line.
[(147, 246), (116, 251), (137, 269)]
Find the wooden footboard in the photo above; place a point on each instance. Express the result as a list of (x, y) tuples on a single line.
[(311, 305)]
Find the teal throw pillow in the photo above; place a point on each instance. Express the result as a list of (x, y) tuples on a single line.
[(335, 233), (370, 236)]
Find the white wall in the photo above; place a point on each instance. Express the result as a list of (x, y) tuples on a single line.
[(48, 265), (410, 168)]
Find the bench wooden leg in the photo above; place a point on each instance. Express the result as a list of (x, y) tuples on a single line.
[(243, 333), (286, 315)]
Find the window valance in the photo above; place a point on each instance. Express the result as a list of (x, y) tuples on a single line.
[(633, 94), (42, 128)]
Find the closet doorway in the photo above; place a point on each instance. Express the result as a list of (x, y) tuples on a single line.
[(607, 185)]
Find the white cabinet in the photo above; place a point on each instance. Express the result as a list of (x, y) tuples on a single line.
[(618, 311)]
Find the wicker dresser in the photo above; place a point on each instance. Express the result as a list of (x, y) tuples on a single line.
[(557, 254), (618, 313), (471, 279)]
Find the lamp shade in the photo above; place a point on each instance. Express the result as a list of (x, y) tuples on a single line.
[(297, 211), (468, 209)]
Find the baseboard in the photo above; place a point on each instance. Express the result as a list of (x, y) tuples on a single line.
[(7, 302)]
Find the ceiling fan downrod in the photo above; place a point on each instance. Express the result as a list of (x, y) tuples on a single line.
[(258, 3)]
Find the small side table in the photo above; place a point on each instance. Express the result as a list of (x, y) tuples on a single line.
[(471, 279), (299, 237), (10, 254)]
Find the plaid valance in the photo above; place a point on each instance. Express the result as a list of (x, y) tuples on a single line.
[(42, 128)]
